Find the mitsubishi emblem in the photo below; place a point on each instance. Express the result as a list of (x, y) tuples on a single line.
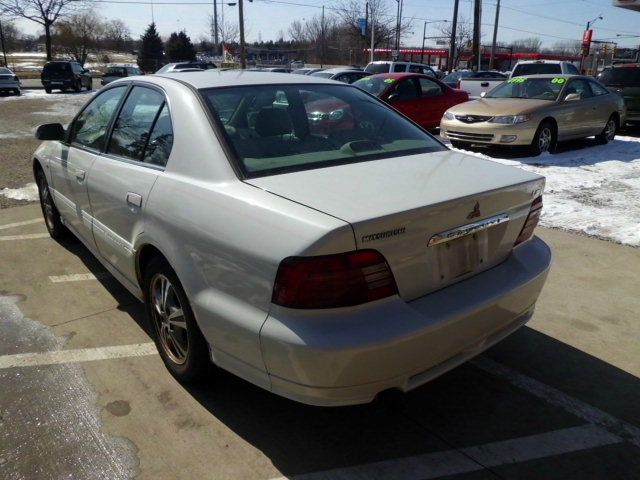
[(475, 213)]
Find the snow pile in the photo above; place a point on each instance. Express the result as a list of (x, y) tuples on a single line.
[(594, 190), (29, 192)]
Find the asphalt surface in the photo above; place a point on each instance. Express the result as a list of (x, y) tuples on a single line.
[(84, 395)]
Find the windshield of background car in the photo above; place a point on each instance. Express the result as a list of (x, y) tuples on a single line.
[(378, 68), (322, 74), (455, 76), (521, 87), (276, 129), (5, 71), (115, 72), (536, 69), (374, 85), (621, 76)]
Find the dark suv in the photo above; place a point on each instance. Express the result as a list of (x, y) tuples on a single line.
[(625, 80), (65, 75)]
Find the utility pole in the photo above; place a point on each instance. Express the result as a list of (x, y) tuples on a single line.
[(452, 43), (215, 27), (322, 39), (495, 36), (4, 52), (477, 18), (243, 55), (424, 33), (373, 34)]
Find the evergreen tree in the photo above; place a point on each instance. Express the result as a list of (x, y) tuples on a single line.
[(180, 48), (151, 53)]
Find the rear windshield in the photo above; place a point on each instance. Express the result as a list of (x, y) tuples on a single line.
[(378, 68), (57, 67), (5, 71), (622, 76), (275, 129), (455, 76), (536, 69), (322, 74), (116, 71), (535, 88)]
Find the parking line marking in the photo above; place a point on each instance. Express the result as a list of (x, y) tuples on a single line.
[(553, 396), (465, 460), (80, 355), (20, 224), (78, 277), (29, 236)]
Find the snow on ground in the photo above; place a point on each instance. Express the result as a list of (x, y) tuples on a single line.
[(593, 190), (28, 192)]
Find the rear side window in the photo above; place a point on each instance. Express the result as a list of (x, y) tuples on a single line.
[(536, 69), (135, 122), (398, 67), (598, 89), (572, 69), (90, 128), (161, 140), (430, 88)]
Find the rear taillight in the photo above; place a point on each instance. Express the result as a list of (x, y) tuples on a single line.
[(332, 281), (531, 222)]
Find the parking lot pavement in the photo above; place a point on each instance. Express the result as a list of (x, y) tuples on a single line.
[(84, 395)]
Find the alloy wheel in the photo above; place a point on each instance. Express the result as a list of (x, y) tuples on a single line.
[(169, 320), (610, 130), (544, 139)]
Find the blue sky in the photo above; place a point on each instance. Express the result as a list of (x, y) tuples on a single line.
[(550, 20)]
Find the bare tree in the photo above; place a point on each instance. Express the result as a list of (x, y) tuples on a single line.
[(464, 37), (566, 47), (44, 12), (11, 35), (228, 32), (116, 35), (531, 44), (78, 35)]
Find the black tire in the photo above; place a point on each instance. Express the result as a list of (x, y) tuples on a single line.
[(90, 85), (460, 145), (544, 140), (17, 92), (78, 86), (52, 220), (608, 132), (183, 348), (47, 89)]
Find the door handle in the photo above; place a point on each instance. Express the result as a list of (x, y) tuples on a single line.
[(80, 175), (484, 84), (134, 199)]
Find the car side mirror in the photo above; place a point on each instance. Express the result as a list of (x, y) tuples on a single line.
[(50, 131), (572, 97)]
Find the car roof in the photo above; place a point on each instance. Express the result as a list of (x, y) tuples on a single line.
[(554, 75), (399, 75), (342, 69), (520, 62), (215, 78)]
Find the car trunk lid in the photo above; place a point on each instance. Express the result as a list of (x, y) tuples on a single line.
[(437, 218)]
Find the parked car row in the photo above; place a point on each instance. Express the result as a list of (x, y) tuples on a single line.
[(9, 81)]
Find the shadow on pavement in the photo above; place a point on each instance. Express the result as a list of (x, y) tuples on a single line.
[(465, 407)]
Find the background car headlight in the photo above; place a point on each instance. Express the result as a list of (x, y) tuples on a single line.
[(511, 119), (449, 116)]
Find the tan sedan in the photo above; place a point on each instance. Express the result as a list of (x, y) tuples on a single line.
[(538, 111)]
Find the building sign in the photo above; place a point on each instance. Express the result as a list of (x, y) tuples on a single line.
[(586, 41)]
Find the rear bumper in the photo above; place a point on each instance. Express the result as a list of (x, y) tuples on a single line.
[(351, 355)]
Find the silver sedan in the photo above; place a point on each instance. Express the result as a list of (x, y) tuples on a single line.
[(9, 81), (294, 231)]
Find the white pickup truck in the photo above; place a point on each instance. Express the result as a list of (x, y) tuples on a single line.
[(480, 82)]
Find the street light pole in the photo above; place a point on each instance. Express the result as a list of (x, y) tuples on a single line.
[(243, 57), (583, 57), (215, 26), (4, 52), (424, 33), (495, 36), (452, 44)]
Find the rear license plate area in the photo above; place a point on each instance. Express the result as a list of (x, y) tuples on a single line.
[(462, 256)]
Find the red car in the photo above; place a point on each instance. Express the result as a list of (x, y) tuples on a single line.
[(420, 97)]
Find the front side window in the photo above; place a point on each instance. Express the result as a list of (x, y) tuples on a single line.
[(430, 88), (135, 121), (283, 128), (399, 67), (90, 128), (406, 89), (581, 87)]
